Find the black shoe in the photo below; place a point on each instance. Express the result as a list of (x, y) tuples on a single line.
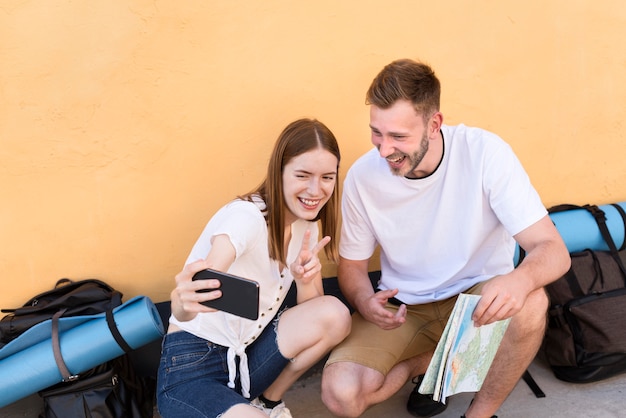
[(463, 416), (423, 405)]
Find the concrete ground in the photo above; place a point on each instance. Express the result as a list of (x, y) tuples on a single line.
[(601, 399)]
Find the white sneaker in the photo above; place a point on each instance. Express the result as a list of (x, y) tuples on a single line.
[(279, 411)]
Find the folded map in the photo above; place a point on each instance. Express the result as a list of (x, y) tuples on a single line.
[(464, 353)]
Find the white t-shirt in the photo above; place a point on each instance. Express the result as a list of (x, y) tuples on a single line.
[(243, 222), (441, 234)]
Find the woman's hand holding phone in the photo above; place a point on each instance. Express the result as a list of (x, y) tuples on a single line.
[(186, 300)]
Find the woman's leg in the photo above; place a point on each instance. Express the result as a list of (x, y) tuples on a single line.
[(305, 333), (192, 379)]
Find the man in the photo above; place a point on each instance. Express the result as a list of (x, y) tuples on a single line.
[(446, 205)]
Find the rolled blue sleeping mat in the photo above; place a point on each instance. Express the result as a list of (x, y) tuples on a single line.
[(579, 229), (27, 363)]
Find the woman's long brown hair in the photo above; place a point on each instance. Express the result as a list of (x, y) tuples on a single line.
[(298, 137)]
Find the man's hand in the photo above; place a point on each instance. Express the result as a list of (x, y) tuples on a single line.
[(502, 297), (373, 309)]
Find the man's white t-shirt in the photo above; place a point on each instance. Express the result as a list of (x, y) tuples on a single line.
[(444, 233)]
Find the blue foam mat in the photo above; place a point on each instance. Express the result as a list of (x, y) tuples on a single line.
[(27, 363), (579, 229)]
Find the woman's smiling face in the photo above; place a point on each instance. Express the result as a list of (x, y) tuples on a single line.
[(308, 182)]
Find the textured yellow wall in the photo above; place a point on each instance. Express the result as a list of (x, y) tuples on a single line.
[(125, 124)]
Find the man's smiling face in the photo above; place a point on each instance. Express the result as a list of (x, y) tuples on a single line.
[(401, 137)]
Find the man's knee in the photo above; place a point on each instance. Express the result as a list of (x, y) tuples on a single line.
[(533, 316), (539, 298), (536, 306), (340, 391)]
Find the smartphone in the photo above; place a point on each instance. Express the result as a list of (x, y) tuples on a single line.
[(239, 296)]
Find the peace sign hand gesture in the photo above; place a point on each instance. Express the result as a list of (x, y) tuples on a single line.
[(307, 265)]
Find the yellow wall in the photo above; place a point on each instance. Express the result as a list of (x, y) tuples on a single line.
[(125, 124)]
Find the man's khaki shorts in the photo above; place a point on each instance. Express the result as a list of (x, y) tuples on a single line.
[(379, 349)]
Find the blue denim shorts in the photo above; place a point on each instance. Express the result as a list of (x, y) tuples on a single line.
[(193, 374)]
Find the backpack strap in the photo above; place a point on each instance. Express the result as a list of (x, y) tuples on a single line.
[(573, 282), (530, 381), (62, 282), (56, 345), (563, 208), (115, 332), (522, 255), (600, 218), (56, 349), (622, 213)]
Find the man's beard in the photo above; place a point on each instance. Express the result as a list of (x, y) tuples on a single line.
[(413, 160)]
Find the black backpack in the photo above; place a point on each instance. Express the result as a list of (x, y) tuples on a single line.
[(71, 298), (109, 390), (585, 339)]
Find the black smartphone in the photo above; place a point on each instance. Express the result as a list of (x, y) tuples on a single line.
[(239, 296)]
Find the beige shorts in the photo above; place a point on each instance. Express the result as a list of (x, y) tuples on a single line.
[(380, 349)]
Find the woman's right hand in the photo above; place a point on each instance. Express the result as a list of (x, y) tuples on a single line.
[(185, 299)]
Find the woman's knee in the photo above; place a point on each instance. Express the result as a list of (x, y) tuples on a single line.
[(323, 321), (336, 317)]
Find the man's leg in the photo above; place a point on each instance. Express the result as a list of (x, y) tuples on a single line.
[(349, 389), (372, 364), (517, 350)]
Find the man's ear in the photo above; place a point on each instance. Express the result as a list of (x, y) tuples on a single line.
[(434, 124)]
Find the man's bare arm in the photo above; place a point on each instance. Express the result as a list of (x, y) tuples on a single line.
[(546, 260)]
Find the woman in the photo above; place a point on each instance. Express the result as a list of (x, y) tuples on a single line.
[(213, 362)]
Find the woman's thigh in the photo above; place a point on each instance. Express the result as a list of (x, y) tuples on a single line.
[(193, 377), (308, 323)]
